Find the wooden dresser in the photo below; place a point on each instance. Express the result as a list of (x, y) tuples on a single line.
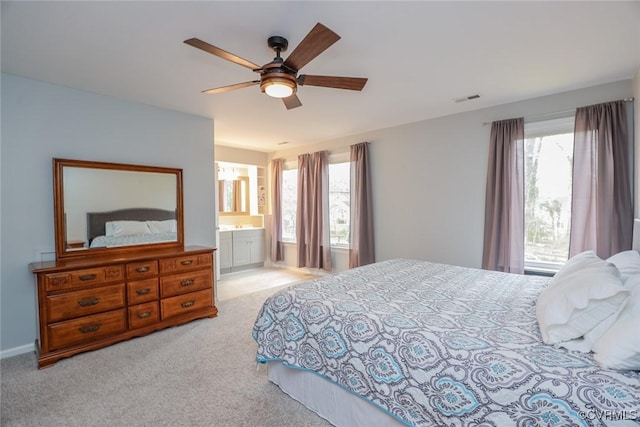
[(89, 303)]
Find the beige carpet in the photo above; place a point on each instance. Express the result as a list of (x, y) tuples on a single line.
[(199, 374), (236, 284)]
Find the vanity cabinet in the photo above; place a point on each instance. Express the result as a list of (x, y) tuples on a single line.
[(248, 247), (88, 303), (241, 249), (225, 248)]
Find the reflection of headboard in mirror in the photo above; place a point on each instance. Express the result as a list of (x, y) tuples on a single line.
[(96, 220), (89, 193)]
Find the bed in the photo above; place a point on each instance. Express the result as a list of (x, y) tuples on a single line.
[(133, 226), (407, 342)]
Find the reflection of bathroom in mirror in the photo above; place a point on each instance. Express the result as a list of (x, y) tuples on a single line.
[(103, 207), (233, 195), (240, 194)]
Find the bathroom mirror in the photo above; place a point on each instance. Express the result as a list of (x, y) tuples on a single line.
[(106, 208), (233, 196)]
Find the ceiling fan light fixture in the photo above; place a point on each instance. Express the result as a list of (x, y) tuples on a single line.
[(278, 90), (281, 85)]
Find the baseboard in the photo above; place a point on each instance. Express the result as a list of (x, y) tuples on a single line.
[(304, 270), (15, 351), (239, 268)]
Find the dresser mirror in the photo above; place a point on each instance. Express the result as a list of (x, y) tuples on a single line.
[(110, 208)]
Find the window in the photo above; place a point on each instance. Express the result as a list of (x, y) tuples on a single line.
[(289, 202), (548, 149), (339, 199)]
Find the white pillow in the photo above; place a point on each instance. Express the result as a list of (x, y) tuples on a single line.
[(574, 264), (585, 343), (586, 291), (628, 262), (619, 346), (167, 226), (126, 228)]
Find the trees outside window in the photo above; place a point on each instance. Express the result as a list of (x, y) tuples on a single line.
[(548, 178), (289, 202), (339, 200)]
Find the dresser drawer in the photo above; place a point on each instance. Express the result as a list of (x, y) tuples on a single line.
[(84, 329), (186, 282), (143, 314), (176, 306), (88, 276), (142, 291), (184, 263), (141, 270), (81, 303)]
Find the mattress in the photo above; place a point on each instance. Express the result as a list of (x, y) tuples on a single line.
[(334, 403)]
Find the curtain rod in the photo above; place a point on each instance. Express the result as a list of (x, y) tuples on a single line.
[(538, 116), (337, 151)]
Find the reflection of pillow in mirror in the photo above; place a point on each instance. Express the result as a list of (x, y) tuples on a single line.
[(126, 228), (167, 226)]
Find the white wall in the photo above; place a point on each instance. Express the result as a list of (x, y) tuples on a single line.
[(41, 121), (429, 177), (239, 155)]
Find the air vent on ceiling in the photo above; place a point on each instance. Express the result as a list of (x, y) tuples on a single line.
[(467, 98)]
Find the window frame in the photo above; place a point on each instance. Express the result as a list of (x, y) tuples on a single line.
[(289, 166), (336, 159), (541, 128)]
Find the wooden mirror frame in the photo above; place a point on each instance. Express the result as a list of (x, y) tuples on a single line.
[(59, 210)]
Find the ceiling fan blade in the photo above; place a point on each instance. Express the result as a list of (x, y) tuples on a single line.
[(231, 87), (350, 83), (197, 43), (314, 43), (292, 102)]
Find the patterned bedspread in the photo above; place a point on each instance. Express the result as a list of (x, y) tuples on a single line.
[(436, 345)]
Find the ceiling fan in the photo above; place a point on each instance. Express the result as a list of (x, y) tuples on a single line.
[(279, 78)]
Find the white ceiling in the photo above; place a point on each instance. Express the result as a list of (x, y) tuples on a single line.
[(418, 56)]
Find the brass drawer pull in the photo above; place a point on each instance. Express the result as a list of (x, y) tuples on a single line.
[(89, 328), (144, 291), (87, 277), (187, 304), (142, 269), (144, 314), (188, 282), (87, 302), (187, 262)]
